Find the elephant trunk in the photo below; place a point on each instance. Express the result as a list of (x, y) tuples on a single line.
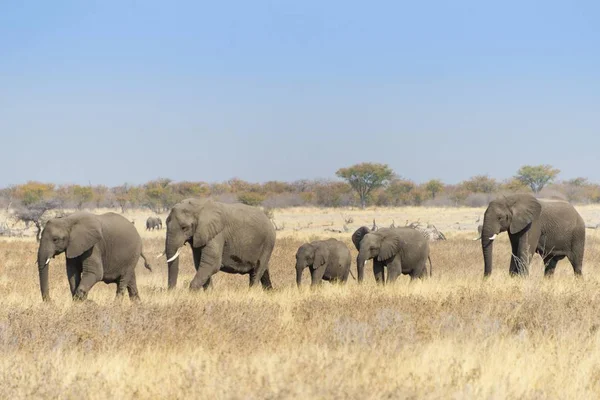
[(360, 267), (299, 271), (487, 246), (172, 254), (44, 256)]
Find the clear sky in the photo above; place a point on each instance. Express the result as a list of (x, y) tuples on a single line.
[(109, 92)]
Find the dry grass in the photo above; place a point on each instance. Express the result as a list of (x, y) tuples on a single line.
[(453, 336)]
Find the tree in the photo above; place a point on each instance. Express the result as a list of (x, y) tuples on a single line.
[(366, 177), (399, 191), (34, 213), (514, 185), (82, 195), (33, 192), (434, 186), (480, 184), (537, 176)]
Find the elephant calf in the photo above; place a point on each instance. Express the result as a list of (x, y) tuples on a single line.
[(98, 248), (153, 223), (401, 250), (327, 259)]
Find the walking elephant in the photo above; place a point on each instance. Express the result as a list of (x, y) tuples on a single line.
[(327, 260), (233, 238), (551, 228), (401, 250), (153, 223), (98, 248)]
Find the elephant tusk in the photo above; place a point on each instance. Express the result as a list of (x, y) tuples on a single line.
[(47, 261), (494, 237), (477, 238), (160, 255), (174, 257)]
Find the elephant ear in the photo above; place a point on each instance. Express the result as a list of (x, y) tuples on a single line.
[(321, 256), (85, 232), (358, 235), (525, 210), (390, 246), (209, 223)]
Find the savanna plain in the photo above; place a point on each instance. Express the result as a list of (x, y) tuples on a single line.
[(451, 336)]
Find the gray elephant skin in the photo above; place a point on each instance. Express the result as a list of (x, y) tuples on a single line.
[(98, 248), (551, 228), (153, 223), (327, 260), (401, 250), (233, 238)]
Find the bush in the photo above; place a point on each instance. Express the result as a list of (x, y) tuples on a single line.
[(251, 198)]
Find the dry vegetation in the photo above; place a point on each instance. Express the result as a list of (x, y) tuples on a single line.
[(452, 336)]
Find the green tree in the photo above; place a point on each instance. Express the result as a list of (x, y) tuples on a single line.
[(480, 184), (399, 191), (82, 195), (433, 187), (366, 177), (537, 176), (34, 192)]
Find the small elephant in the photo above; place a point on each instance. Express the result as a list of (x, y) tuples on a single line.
[(327, 260), (98, 248), (153, 223), (233, 238), (551, 228), (401, 250)]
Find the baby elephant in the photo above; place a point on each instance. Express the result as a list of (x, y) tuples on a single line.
[(98, 248), (327, 259)]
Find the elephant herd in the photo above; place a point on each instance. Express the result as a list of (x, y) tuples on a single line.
[(239, 239)]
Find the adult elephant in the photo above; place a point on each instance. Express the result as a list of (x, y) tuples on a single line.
[(401, 250), (98, 248), (551, 228), (153, 223), (327, 260), (233, 238)]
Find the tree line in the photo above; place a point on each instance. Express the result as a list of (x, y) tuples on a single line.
[(365, 184)]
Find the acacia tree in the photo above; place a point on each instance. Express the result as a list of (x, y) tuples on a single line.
[(537, 176), (366, 177), (35, 213), (433, 187)]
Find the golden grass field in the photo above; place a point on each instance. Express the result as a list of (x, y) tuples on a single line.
[(453, 336)]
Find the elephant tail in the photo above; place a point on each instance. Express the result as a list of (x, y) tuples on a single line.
[(351, 274), (146, 263), (430, 266)]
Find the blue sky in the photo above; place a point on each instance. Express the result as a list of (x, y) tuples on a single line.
[(109, 92)]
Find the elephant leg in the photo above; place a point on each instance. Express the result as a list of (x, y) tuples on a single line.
[(521, 255), (73, 274), (132, 289), (88, 280), (316, 275), (265, 281), (121, 288), (378, 271), (576, 256), (550, 265), (208, 285), (394, 269), (91, 274), (261, 268), (210, 263)]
